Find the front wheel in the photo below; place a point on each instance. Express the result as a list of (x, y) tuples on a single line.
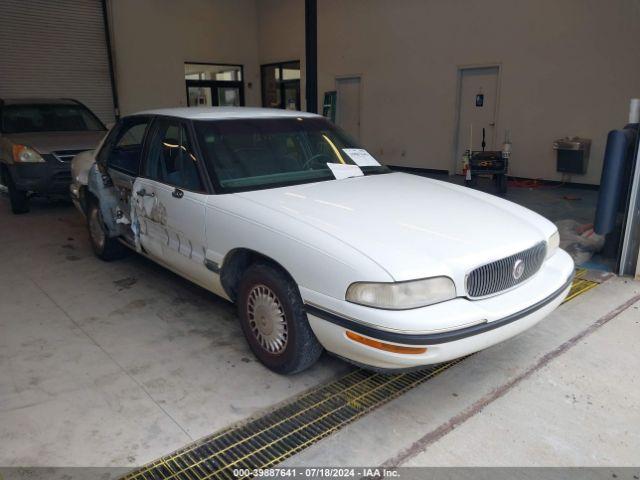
[(274, 322), (105, 247)]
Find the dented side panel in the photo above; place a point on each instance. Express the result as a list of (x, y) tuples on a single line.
[(172, 230), (111, 200)]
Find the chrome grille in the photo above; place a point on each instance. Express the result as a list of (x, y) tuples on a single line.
[(66, 155), (498, 276)]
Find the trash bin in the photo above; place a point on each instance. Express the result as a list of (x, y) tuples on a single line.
[(572, 154)]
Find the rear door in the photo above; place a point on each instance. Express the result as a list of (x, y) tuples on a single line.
[(122, 154), (172, 194)]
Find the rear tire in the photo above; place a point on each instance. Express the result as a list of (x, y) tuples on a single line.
[(274, 321), (19, 198), (105, 247)]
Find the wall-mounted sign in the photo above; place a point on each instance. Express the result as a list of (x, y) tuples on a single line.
[(480, 100)]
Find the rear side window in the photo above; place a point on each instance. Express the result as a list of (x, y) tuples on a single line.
[(125, 149), (28, 118)]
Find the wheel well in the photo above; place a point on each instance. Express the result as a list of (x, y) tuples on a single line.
[(236, 262)]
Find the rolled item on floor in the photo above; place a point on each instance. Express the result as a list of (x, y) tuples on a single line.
[(612, 180)]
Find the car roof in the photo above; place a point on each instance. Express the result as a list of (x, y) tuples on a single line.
[(220, 113), (38, 101)]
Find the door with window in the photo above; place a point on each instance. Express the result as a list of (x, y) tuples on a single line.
[(122, 154), (214, 85), (172, 190), (477, 110), (281, 85)]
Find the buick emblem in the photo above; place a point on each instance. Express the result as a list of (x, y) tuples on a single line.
[(518, 269)]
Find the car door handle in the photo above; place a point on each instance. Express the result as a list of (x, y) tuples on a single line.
[(177, 193), (143, 193)]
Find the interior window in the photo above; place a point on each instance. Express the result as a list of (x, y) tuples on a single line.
[(126, 148), (171, 158)]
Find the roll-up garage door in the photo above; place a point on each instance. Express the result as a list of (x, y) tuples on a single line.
[(55, 49)]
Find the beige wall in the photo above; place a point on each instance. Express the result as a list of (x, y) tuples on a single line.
[(153, 38), (568, 67), (281, 34)]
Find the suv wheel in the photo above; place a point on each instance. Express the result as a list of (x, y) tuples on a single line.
[(19, 198), (274, 322), (104, 247)]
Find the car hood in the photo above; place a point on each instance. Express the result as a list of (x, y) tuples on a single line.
[(413, 227), (47, 142)]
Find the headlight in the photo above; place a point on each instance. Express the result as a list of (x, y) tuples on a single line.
[(553, 243), (402, 295), (24, 154)]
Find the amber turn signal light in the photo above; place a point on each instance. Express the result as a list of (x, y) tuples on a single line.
[(387, 347)]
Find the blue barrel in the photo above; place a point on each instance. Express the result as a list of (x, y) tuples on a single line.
[(612, 181)]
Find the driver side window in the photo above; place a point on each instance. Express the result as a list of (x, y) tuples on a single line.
[(171, 158), (125, 149)]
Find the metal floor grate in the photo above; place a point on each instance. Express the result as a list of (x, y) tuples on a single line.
[(580, 285), (277, 435)]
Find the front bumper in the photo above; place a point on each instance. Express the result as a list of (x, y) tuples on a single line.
[(49, 177), (458, 327)]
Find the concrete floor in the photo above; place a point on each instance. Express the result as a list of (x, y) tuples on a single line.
[(564, 393), (116, 364)]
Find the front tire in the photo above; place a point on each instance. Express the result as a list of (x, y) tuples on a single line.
[(274, 322), (105, 247), (19, 199)]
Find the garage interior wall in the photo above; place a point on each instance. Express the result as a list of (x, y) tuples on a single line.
[(567, 68), (281, 35), (152, 39), (55, 49)]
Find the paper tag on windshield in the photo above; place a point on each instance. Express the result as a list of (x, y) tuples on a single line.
[(361, 157), (342, 170)]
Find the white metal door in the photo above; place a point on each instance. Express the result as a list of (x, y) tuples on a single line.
[(55, 49), (478, 101), (348, 105)]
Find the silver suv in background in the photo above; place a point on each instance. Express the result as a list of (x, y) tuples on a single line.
[(38, 139)]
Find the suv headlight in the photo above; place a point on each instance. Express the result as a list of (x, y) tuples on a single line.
[(553, 244), (402, 295), (24, 154)]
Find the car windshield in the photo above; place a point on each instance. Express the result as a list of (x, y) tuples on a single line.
[(25, 118), (252, 154)]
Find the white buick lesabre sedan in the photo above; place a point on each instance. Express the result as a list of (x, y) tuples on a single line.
[(319, 245)]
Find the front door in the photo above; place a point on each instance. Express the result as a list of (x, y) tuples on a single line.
[(478, 100), (171, 198)]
